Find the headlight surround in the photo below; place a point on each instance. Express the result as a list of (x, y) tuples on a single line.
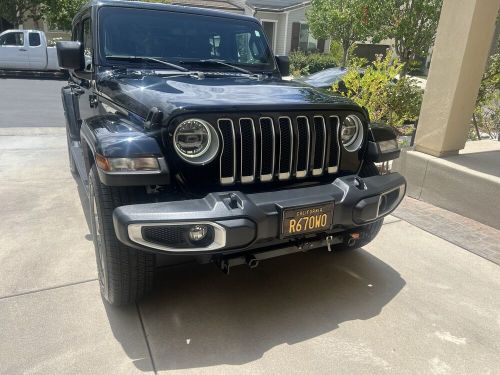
[(196, 141), (351, 133)]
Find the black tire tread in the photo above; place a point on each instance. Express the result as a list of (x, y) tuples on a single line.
[(130, 272)]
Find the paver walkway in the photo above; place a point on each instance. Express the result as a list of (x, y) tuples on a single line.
[(470, 235)]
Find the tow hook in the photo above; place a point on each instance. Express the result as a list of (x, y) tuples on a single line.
[(353, 237), (251, 261), (329, 243), (223, 265)]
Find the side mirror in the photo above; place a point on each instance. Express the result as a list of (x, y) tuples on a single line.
[(283, 65), (70, 55)]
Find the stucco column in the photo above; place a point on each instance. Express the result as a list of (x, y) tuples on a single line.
[(460, 52)]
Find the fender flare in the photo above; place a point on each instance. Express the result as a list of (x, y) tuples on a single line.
[(382, 143), (113, 136)]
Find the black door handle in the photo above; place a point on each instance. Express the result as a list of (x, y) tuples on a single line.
[(22, 49)]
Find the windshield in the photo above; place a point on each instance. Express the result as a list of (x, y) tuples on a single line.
[(183, 38)]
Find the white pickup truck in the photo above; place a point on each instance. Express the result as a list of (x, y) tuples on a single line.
[(26, 50)]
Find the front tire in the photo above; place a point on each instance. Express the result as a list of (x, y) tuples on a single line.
[(125, 274), (367, 232)]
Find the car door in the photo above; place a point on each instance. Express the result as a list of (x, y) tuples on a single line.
[(82, 81), (13, 53), (37, 51)]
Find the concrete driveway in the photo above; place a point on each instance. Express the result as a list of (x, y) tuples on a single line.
[(408, 303)]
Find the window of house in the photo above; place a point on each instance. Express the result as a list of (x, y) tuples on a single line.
[(34, 39), (12, 39), (306, 40)]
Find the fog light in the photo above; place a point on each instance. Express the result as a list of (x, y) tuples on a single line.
[(198, 232)]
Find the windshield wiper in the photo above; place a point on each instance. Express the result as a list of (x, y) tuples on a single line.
[(223, 63), (147, 59)]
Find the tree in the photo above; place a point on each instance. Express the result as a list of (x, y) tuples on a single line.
[(412, 24), (60, 13), (346, 21), (19, 11)]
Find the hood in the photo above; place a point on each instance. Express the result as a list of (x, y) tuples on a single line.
[(183, 94)]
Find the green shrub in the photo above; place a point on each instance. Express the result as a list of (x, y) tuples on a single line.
[(302, 63), (336, 50), (387, 99), (487, 111)]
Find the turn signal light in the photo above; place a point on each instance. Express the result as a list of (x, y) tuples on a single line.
[(127, 165)]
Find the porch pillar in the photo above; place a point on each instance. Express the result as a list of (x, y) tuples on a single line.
[(461, 49)]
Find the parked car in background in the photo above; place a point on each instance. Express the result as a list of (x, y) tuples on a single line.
[(325, 78), (26, 50)]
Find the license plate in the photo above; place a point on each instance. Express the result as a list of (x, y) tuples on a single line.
[(308, 219)]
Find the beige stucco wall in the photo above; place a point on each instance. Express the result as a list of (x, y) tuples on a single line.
[(462, 44)]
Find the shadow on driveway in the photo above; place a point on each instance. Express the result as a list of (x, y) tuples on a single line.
[(199, 317)]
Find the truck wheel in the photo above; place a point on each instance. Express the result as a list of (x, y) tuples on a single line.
[(370, 231), (125, 274)]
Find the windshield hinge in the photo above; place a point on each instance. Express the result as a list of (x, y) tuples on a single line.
[(153, 119)]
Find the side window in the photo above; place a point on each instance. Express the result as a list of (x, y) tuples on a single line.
[(34, 39), (12, 39), (86, 40)]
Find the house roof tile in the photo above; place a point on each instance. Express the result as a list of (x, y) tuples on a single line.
[(276, 5), (214, 4)]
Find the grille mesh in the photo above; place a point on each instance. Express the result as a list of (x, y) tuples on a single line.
[(165, 235)]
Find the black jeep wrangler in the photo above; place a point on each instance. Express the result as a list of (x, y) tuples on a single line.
[(190, 143)]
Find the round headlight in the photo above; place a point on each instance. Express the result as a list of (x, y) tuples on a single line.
[(196, 141), (351, 133)]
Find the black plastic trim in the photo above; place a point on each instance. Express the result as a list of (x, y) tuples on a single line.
[(380, 133), (262, 209)]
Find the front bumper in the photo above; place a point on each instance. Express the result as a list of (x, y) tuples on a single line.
[(247, 221)]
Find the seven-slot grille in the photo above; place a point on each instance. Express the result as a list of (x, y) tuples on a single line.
[(278, 148)]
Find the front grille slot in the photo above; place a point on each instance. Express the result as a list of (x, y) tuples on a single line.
[(303, 145), (267, 148), (318, 161), (248, 150), (333, 144), (286, 148), (228, 155)]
